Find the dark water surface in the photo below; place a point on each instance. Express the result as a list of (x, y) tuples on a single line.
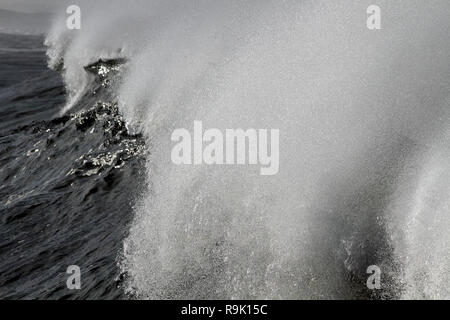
[(67, 183)]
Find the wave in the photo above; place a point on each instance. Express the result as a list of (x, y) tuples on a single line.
[(362, 118), (68, 182)]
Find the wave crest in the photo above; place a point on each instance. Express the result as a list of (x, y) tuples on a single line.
[(345, 100)]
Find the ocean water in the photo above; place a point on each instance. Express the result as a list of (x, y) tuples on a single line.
[(68, 183), (364, 128)]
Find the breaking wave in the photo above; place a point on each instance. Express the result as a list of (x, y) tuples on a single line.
[(363, 119)]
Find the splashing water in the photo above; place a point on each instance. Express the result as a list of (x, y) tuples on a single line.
[(357, 112)]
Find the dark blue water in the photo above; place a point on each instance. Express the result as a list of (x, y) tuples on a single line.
[(67, 182)]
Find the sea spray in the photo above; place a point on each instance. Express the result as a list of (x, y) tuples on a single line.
[(347, 99)]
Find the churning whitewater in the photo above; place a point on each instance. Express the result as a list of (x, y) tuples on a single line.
[(363, 120)]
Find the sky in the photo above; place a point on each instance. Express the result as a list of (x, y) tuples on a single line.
[(28, 5)]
